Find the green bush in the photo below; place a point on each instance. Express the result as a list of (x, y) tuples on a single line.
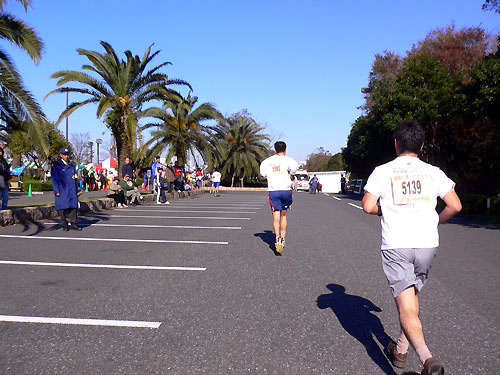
[(473, 204), (36, 185)]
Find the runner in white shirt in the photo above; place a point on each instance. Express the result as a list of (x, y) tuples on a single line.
[(279, 170), (216, 176), (407, 189)]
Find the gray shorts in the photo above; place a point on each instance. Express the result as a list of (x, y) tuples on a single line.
[(407, 267)]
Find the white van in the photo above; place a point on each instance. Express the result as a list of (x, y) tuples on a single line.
[(301, 180)]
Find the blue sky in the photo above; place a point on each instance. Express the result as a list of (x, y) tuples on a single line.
[(297, 66)]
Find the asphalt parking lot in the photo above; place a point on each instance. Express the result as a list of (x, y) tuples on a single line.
[(195, 287)]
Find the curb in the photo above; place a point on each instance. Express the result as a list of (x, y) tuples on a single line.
[(31, 214)]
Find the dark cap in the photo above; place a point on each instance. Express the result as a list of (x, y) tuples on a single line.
[(65, 150)]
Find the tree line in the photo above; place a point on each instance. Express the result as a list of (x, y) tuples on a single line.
[(450, 83)]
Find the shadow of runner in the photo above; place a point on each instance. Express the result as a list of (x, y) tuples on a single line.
[(268, 237), (355, 315)]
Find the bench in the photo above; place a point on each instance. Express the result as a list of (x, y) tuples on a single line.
[(15, 186)]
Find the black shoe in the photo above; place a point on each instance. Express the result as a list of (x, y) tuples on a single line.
[(65, 228), (75, 227)]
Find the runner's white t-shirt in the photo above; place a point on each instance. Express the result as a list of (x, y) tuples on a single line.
[(408, 189), (216, 176), (277, 169)]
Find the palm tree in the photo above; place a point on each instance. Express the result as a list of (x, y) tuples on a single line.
[(16, 102), (181, 129), (243, 147), (121, 90)]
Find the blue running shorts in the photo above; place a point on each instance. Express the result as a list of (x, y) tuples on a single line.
[(216, 184), (280, 200)]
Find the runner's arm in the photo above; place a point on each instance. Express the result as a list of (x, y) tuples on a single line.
[(370, 205), (453, 206)]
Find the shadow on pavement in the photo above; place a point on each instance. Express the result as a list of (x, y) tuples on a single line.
[(355, 315), (268, 237)]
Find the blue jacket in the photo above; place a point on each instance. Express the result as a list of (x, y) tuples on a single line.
[(65, 182), (154, 168)]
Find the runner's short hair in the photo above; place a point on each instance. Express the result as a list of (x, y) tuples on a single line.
[(410, 136), (280, 146)]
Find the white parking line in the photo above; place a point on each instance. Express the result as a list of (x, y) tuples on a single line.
[(149, 226), (87, 322), (198, 211), (111, 266), (336, 198), (352, 204), (174, 217), (111, 239)]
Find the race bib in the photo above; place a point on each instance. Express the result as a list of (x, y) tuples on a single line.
[(410, 188)]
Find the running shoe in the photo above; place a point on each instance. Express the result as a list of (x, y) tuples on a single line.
[(432, 367), (397, 359), (279, 245), (166, 202)]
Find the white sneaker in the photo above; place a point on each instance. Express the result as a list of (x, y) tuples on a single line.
[(166, 202), (141, 197), (124, 206), (158, 203), (119, 205)]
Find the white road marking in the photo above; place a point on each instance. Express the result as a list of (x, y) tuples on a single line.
[(200, 212), (111, 266), (354, 205), (149, 226), (169, 207), (174, 217), (111, 239), (87, 322), (336, 198)]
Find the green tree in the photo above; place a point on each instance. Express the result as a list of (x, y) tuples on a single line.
[(181, 129), (120, 91), (17, 104), (318, 160), (21, 143), (336, 163), (242, 145)]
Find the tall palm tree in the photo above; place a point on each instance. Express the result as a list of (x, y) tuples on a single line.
[(16, 102), (120, 91), (243, 147), (181, 128)]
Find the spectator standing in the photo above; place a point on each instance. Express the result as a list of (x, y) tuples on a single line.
[(4, 180), (404, 193), (154, 169), (127, 168), (179, 177), (216, 176), (279, 170), (199, 178), (170, 176), (66, 190), (343, 184), (160, 184), (116, 192), (314, 184)]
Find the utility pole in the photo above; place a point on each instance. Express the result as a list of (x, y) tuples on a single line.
[(91, 152), (67, 98), (98, 141)]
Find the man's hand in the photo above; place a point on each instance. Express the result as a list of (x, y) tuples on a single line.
[(80, 192), (58, 194)]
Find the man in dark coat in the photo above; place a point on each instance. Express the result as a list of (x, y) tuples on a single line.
[(66, 190), (127, 168)]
